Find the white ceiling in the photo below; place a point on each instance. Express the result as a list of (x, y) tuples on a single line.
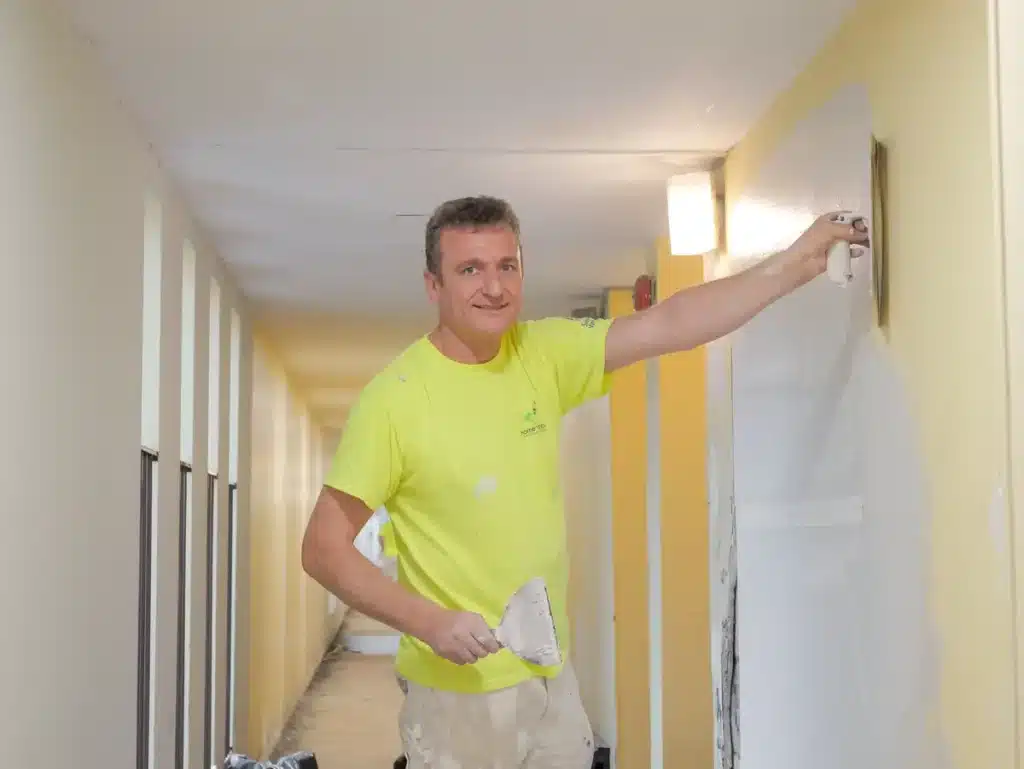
[(299, 130)]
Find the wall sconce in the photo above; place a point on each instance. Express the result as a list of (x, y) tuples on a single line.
[(692, 217)]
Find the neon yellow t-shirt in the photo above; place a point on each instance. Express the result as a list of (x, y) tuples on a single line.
[(466, 459)]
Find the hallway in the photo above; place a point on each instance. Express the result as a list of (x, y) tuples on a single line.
[(212, 222), (349, 715)]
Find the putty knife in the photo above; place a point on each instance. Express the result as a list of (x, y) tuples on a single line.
[(527, 628)]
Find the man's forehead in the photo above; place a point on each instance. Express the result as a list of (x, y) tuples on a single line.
[(469, 231), (490, 242)]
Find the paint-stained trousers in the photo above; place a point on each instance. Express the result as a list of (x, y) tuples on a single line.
[(539, 724)]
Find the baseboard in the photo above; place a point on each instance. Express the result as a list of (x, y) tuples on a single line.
[(372, 644)]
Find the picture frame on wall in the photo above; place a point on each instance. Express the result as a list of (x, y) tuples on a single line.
[(879, 232)]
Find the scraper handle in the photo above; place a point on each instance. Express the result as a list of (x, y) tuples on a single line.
[(839, 265)]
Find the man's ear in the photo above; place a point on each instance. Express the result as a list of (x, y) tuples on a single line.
[(432, 283)]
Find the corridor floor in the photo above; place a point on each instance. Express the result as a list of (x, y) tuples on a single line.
[(349, 715)]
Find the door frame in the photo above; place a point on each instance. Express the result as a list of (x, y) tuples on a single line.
[(1006, 72)]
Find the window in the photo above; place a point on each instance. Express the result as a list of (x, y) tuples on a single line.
[(152, 267), (232, 525), (213, 433), (214, 546), (188, 352), (188, 333)]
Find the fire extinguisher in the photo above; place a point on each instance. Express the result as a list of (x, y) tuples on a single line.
[(643, 292)]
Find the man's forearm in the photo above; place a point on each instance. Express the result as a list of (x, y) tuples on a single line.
[(365, 588), (708, 311), (330, 556), (698, 315)]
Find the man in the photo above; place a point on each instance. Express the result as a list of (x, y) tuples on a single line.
[(459, 439)]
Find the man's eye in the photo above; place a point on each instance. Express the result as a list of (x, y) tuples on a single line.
[(468, 270), (511, 267)]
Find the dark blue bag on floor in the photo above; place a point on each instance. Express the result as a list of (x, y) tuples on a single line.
[(301, 760)]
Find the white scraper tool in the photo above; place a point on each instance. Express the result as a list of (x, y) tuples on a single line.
[(527, 629)]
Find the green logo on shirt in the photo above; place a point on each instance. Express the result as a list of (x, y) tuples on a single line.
[(530, 420)]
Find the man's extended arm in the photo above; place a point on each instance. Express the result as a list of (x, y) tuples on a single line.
[(695, 316)]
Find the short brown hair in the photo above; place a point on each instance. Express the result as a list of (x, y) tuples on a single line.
[(466, 213)]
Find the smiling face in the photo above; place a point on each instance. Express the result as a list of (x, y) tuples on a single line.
[(478, 283)]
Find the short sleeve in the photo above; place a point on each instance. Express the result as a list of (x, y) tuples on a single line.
[(575, 347), (368, 462)]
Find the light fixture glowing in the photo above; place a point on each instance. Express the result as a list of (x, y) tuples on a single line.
[(692, 226)]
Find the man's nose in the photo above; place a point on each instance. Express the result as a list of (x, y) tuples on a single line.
[(492, 286)]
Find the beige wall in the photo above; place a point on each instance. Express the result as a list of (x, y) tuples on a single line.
[(926, 66), (290, 624), (73, 199), (70, 389), (76, 184)]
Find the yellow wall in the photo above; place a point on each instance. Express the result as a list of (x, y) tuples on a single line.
[(688, 712), (290, 624), (926, 66), (628, 405)]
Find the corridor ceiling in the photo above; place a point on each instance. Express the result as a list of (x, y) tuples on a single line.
[(311, 137)]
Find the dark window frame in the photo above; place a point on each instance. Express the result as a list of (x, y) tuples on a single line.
[(184, 500), (147, 509), (229, 604), (211, 581)]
